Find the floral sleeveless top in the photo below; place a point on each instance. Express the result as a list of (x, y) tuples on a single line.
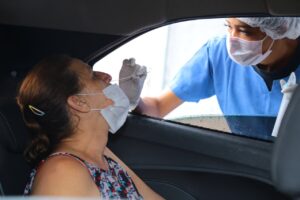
[(114, 183)]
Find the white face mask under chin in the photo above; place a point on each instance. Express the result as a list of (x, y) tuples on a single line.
[(116, 114), (246, 52)]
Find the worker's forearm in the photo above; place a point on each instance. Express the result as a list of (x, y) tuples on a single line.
[(148, 106)]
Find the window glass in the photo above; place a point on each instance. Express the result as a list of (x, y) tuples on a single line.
[(164, 51)]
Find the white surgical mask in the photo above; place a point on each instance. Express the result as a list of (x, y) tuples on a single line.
[(246, 52), (116, 114)]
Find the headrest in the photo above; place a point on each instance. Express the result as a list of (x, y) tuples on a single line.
[(14, 133), (9, 82), (286, 158)]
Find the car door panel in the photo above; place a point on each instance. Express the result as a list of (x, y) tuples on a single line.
[(185, 162)]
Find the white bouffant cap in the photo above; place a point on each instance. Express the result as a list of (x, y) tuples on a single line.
[(276, 27)]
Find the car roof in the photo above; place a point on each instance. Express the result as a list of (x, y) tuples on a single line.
[(126, 17), (33, 29)]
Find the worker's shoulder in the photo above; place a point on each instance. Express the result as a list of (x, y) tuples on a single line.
[(217, 40)]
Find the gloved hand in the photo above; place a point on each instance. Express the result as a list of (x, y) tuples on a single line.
[(287, 88), (131, 80)]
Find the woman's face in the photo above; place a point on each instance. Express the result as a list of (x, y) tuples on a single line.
[(93, 83)]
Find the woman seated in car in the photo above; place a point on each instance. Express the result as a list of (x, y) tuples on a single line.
[(70, 110)]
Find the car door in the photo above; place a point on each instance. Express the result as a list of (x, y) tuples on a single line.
[(186, 162)]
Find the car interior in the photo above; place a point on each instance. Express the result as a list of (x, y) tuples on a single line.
[(178, 161)]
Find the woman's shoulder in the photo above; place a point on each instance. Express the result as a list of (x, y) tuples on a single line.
[(65, 172), (62, 163)]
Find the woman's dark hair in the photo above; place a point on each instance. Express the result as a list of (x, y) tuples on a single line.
[(43, 98)]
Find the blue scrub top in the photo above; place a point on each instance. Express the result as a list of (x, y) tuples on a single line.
[(240, 90)]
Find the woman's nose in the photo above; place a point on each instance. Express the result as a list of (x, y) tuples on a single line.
[(104, 77)]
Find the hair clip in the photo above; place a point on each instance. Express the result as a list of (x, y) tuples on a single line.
[(36, 111)]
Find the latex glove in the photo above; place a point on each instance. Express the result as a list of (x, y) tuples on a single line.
[(131, 80), (287, 88)]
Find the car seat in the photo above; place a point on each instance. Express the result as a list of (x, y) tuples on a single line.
[(286, 158), (14, 170)]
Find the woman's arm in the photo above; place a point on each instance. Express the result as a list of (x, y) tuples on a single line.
[(142, 187)]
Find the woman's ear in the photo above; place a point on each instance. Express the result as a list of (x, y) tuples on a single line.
[(78, 103)]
